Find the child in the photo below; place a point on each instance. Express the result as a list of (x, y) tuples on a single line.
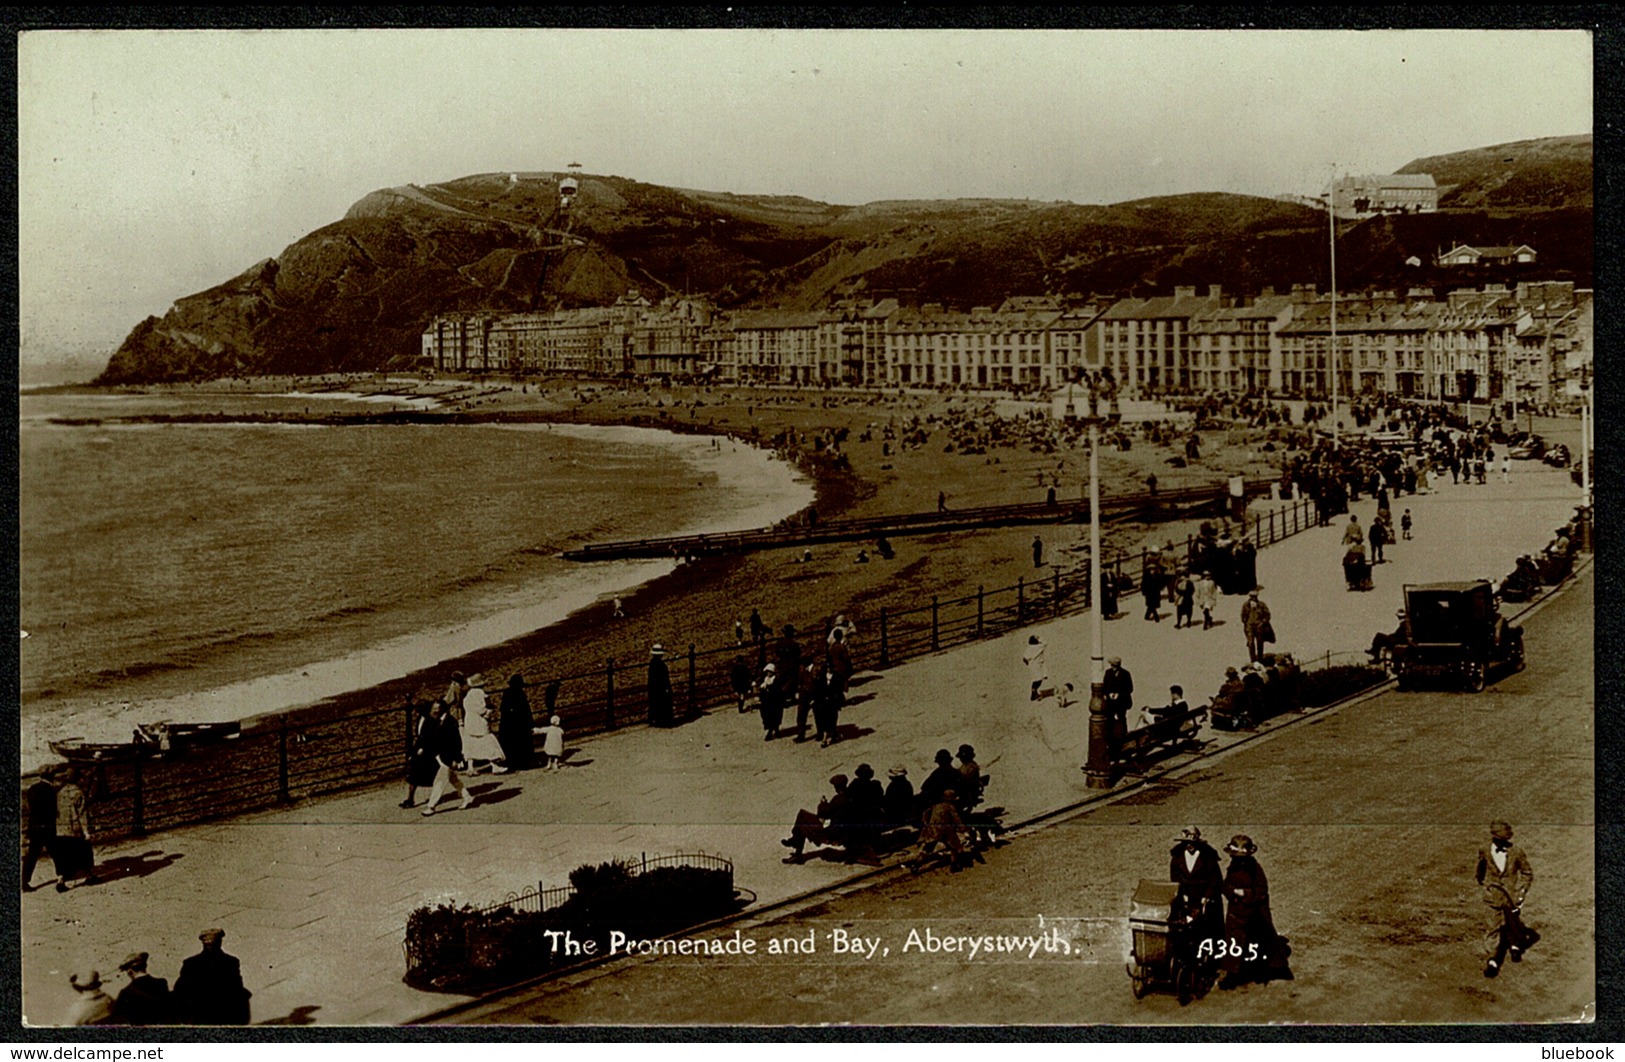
[(552, 744), (1405, 525)]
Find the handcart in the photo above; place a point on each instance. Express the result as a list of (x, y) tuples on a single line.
[(1165, 944)]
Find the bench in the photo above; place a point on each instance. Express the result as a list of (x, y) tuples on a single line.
[(1168, 733)]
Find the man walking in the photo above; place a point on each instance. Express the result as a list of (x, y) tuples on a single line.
[(448, 749), (1207, 598), (1505, 874), (39, 827), (1255, 624)]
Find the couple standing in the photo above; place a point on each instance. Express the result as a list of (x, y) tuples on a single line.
[(1232, 907)]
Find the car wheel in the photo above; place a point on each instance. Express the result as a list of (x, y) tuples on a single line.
[(1475, 677)]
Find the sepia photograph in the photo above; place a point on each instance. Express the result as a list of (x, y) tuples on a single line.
[(786, 529)]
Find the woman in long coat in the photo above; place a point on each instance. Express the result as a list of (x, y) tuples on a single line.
[(659, 688), (771, 694), (423, 765), (516, 726), (1254, 952)]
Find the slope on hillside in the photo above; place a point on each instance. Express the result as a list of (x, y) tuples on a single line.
[(1552, 173)]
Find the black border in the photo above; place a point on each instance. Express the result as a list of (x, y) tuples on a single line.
[(1609, 58)]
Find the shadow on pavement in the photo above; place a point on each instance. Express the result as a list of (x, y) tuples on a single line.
[(138, 866), (296, 1016)]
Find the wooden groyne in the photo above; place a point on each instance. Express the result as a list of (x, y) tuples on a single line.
[(1163, 505)]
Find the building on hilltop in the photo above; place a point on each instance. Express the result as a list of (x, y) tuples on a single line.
[(1463, 255), (1394, 193)]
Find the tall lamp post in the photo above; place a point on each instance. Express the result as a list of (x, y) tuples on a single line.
[(1102, 399)]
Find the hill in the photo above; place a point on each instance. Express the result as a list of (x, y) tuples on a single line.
[(357, 294)]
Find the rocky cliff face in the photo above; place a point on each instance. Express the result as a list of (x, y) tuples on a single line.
[(357, 294)]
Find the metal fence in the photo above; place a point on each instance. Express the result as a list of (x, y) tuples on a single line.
[(287, 761)]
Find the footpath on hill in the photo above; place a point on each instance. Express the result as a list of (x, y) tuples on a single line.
[(314, 899)]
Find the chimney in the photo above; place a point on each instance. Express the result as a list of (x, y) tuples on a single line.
[(1184, 291), (1268, 292), (1214, 291)]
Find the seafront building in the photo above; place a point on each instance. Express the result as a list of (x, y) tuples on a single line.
[(1530, 344)]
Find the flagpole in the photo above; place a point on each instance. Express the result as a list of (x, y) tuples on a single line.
[(1331, 225)]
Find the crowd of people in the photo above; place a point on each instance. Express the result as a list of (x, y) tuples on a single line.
[(208, 991), (465, 732), (859, 817)]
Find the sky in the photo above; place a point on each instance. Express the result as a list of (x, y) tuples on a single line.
[(155, 164)]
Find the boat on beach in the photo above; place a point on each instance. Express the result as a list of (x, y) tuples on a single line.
[(148, 740)]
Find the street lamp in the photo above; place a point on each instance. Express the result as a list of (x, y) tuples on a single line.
[(1102, 405)]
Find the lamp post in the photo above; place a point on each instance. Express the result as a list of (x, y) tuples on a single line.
[(1102, 398)]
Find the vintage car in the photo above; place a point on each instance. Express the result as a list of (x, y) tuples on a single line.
[(1454, 631)]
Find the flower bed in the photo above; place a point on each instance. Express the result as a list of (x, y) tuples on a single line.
[(469, 950), (1330, 684)]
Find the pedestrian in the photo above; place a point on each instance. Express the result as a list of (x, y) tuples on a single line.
[(660, 694), (39, 825), (739, 632), (1353, 534), (1207, 598), (448, 752), (1405, 524), (1506, 468), (145, 999), (480, 745), (942, 502), (1184, 600), (454, 696), (1033, 658), (1255, 624), (70, 847), (619, 612), (209, 990), (758, 629), (1151, 588), (553, 744), (770, 698), (1254, 952), (1151, 483), (819, 694), (516, 727), (1117, 688), (838, 658), (1505, 875), (422, 765), (739, 681), (1038, 552), (787, 653), (91, 1006), (1193, 865), (1379, 538)]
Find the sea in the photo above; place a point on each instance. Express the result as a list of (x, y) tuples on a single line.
[(202, 572)]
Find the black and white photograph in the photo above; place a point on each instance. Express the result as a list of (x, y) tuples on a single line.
[(799, 528)]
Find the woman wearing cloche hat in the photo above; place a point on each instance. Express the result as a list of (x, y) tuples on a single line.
[(1254, 952)]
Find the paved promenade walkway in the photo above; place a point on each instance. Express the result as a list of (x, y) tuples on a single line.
[(314, 898)]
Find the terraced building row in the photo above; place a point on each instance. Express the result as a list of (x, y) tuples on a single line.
[(1529, 343)]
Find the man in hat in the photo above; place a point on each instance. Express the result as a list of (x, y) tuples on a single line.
[(1117, 687), (91, 1006), (1505, 874), (660, 696), (829, 826), (210, 989), (39, 826), (1255, 624), (145, 1000), (447, 745), (1193, 865)]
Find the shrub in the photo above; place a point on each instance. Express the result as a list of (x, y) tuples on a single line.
[(464, 949), (1331, 684)]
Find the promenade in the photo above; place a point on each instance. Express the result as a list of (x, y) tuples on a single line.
[(314, 898)]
